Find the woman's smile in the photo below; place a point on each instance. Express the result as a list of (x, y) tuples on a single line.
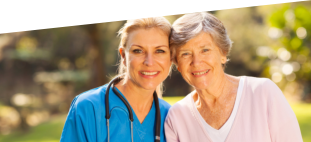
[(149, 74), (200, 73)]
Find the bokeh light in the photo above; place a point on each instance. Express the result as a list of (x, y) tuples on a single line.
[(296, 66), (263, 51), (274, 69), (277, 77), (301, 32), (275, 33), (9, 119), (21, 99), (36, 118), (289, 15), (283, 54), (287, 69)]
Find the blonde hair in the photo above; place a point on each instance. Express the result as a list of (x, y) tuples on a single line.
[(190, 25), (142, 23)]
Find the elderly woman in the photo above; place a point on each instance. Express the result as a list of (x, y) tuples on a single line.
[(222, 107)]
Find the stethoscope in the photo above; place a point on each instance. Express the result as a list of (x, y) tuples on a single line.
[(155, 98)]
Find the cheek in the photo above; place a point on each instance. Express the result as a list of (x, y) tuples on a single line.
[(212, 60), (133, 63), (182, 68), (165, 63)]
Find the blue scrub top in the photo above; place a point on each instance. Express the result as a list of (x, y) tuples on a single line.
[(86, 120)]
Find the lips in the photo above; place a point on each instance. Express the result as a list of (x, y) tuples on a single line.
[(149, 74), (199, 73)]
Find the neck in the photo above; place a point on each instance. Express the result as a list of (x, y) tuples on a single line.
[(139, 98), (218, 92)]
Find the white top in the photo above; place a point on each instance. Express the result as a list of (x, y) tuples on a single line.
[(221, 134)]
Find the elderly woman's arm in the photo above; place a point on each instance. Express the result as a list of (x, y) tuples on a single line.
[(282, 120), (170, 133)]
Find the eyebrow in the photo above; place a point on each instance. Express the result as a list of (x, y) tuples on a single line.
[(136, 45), (206, 45), (202, 46), (142, 47)]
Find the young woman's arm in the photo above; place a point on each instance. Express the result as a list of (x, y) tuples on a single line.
[(79, 125)]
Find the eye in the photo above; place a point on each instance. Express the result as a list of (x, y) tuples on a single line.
[(160, 51), (137, 51), (185, 54), (205, 50)]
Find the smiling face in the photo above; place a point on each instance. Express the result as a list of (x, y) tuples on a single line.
[(200, 61), (147, 58)]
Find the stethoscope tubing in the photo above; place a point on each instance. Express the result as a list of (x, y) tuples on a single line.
[(155, 97)]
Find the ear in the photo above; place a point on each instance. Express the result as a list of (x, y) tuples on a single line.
[(122, 53), (224, 60), (178, 69)]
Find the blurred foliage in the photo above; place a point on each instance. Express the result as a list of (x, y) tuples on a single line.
[(41, 71), (290, 67)]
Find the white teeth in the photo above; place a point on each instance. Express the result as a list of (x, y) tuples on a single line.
[(149, 73), (200, 73)]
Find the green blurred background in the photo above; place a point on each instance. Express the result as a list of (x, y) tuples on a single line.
[(41, 71)]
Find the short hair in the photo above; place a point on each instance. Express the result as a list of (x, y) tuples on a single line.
[(142, 23), (190, 25)]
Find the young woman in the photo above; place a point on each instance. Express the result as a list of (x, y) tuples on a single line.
[(127, 109)]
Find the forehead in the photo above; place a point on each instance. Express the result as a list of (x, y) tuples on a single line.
[(148, 37), (201, 40)]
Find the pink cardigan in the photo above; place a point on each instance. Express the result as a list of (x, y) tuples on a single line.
[(263, 115)]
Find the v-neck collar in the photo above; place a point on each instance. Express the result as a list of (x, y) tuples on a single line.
[(194, 109), (239, 109), (149, 121)]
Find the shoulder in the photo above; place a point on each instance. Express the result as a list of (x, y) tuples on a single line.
[(90, 98), (182, 106), (257, 81), (260, 85), (263, 90), (164, 105)]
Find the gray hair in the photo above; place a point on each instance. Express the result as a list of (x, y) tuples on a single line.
[(190, 25)]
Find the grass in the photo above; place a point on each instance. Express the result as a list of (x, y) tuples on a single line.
[(303, 114), (50, 131)]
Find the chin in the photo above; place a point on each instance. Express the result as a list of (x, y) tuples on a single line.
[(149, 86), (200, 86)]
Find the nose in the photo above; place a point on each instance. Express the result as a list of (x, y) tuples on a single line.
[(149, 60), (196, 60)]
